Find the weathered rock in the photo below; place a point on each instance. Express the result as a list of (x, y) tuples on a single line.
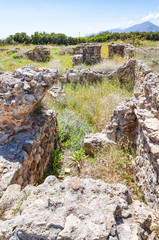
[(94, 211), (27, 134), (66, 50), (58, 94), (123, 50), (21, 92), (39, 53), (81, 76), (138, 121), (95, 142), (123, 122), (125, 73), (77, 59), (14, 50), (88, 53)]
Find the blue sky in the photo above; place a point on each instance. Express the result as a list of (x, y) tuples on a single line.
[(74, 16)]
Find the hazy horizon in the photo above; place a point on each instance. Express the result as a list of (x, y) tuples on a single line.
[(74, 19)]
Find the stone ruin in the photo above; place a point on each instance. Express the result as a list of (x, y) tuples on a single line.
[(27, 134), (65, 50), (137, 120), (81, 76), (74, 209), (123, 50), (87, 53), (125, 75), (39, 53)]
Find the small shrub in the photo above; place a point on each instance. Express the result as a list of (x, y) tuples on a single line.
[(40, 108), (72, 129), (77, 158), (54, 165)]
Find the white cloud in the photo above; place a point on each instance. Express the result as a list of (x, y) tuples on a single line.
[(150, 16)]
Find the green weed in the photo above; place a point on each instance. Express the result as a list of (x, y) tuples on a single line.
[(54, 165), (19, 204), (77, 158), (72, 129), (40, 108)]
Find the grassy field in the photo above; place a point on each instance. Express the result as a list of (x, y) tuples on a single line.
[(10, 62)]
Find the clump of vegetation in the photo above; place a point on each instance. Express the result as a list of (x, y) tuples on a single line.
[(54, 165), (109, 65), (2, 214), (72, 129), (95, 103), (40, 108), (115, 164), (77, 159), (55, 161)]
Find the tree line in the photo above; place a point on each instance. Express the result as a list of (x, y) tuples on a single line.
[(61, 39)]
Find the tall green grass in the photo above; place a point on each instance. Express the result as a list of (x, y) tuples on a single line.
[(95, 103)]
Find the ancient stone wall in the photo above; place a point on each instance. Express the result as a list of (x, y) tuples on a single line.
[(88, 53), (123, 50), (138, 120), (28, 133), (39, 53), (125, 74), (81, 76)]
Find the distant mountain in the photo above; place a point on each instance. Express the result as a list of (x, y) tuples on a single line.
[(143, 27), (118, 30)]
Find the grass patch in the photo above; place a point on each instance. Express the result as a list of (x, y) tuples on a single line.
[(95, 103), (54, 165), (115, 164), (72, 129), (10, 61)]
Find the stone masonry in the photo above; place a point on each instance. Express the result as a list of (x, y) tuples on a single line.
[(82, 76), (137, 119), (123, 50), (39, 53), (27, 134), (87, 53)]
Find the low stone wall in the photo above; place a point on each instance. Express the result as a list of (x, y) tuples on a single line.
[(81, 76), (28, 134), (88, 53), (65, 50), (138, 120), (125, 74), (123, 50), (39, 53)]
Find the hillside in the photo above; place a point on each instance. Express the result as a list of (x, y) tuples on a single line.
[(143, 27)]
